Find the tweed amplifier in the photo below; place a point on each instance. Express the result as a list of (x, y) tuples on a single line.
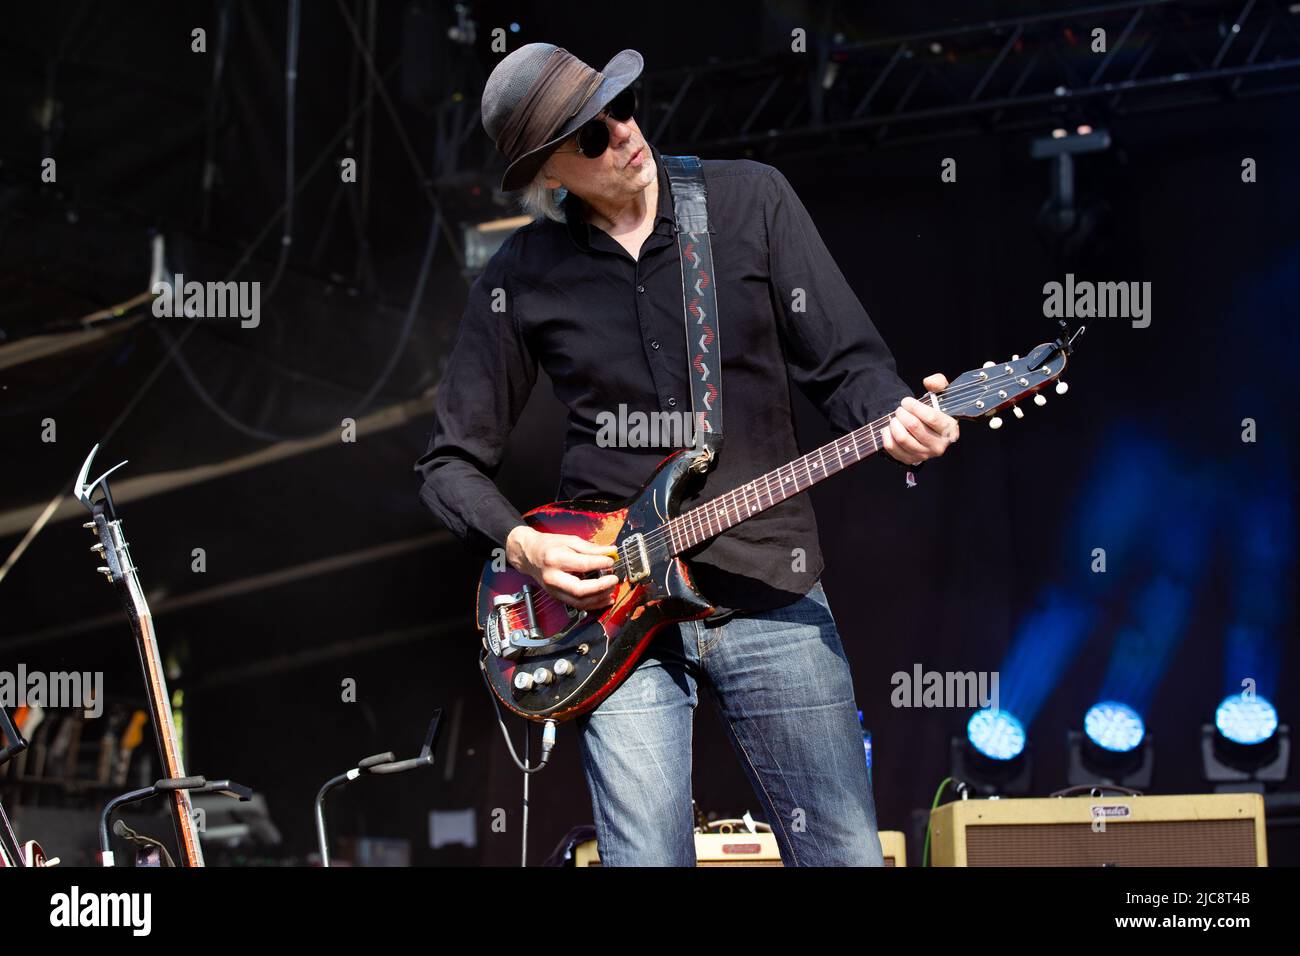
[(1220, 829)]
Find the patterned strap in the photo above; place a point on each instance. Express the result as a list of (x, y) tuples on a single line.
[(699, 301)]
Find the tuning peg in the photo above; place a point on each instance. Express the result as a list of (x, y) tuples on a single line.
[(1016, 410), (1062, 388), (988, 364), (1015, 358), (1040, 399), (995, 423)]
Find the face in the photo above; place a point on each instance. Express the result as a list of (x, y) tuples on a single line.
[(624, 169)]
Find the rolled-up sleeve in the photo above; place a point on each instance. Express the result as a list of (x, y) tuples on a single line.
[(833, 351), (489, 376)]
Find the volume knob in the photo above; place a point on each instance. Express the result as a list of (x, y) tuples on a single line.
[(542, 676), (563, 668), (523, 680)]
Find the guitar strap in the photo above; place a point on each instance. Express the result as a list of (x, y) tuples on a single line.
[(699, 303)]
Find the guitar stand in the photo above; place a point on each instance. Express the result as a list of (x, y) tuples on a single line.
[(229, 788), (384, 763)]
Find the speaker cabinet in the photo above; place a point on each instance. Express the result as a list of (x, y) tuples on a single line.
[(1221, 829)]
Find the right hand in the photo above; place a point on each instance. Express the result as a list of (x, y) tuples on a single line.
[(555, 560)]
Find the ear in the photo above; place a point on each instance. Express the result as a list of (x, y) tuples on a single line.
[(549, 181)]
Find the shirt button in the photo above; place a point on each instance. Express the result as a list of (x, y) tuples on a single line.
[(640, 288), (672, 401), (654, 343)]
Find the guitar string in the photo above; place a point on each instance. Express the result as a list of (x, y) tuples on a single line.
[(946, 396), (660, 542)]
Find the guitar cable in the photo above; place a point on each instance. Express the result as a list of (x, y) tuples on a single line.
[(548, 744)]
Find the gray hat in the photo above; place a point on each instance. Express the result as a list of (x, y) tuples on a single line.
[(539, 95)]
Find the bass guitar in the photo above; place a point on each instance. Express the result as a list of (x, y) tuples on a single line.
[(545, 660)]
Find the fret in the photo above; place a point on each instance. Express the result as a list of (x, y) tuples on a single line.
[(770, 489)]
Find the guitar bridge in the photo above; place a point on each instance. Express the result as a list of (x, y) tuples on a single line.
[(508, 641), (637, 558)]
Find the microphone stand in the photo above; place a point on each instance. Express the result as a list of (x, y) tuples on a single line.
[(382, 764)]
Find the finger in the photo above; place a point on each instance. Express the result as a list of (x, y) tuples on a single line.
[(926, 412), (577, 588), (917, 429), (912, 450), (567, 559), (588, 547), (936, 382)]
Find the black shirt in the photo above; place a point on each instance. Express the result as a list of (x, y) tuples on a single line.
[(608, 329)]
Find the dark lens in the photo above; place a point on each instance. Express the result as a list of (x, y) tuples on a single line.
[(623, 106), (593, 138)]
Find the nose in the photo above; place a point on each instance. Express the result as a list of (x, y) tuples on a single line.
[(619, 130)]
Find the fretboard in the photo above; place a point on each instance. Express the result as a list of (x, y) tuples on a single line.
[(766, 491)]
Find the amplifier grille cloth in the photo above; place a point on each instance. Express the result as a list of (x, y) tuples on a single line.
[(1144, 843)]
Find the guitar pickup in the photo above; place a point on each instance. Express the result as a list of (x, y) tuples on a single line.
[(637, 557)]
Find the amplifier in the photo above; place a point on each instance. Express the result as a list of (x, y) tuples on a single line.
[(746, 849), (1220, 829)]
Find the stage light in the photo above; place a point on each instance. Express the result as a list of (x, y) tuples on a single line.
[(1246, 749), (996, 734), (1059, 133), (1114, 726), (1084, 130), (1246, 719), (993, 758), (1112, 750)]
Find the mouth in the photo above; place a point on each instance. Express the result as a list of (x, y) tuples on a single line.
[(636, 157)]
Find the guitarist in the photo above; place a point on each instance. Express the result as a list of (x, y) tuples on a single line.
[(592, 291)]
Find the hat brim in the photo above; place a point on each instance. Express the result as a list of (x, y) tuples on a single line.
[(620, 72)]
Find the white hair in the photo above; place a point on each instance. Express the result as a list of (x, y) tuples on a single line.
[(541, 202)]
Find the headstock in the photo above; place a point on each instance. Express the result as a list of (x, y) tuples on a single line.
[(983, 392)]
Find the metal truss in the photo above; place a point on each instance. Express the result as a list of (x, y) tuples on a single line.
[(1019, 73)]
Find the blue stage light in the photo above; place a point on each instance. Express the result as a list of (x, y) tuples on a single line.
[(1246, 720), (996, 734), (1114, 726)]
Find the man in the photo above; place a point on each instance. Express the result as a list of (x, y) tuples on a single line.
[(592, 292)]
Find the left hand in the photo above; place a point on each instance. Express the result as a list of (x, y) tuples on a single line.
[(919, 431)]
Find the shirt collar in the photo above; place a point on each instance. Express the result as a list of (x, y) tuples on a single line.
[(580, 230)]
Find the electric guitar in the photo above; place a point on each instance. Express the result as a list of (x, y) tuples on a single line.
[(545, 660), (120, 570)]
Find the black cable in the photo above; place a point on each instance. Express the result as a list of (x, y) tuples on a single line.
[(290, 103)]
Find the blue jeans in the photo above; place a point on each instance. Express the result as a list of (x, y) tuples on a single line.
[(782, 684)]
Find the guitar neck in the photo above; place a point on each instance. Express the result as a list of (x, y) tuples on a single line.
[(767, 491), (160, 709)]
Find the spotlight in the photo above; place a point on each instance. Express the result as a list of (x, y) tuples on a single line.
[(1113, 726), (993, 758), (1113, 748), (1246, 720), (1246, 748), (996, 734)]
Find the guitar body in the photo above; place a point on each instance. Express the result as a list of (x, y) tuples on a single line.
[(601, 649)]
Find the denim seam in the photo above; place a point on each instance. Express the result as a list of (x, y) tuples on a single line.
[(776, 811)]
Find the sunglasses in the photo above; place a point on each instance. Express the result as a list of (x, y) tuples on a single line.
[(593, 135)]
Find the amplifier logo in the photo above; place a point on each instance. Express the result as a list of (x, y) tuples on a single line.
[(1116, 811)]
